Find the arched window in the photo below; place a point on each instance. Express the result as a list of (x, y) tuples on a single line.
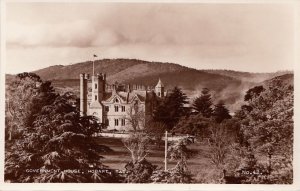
[(117, 100)]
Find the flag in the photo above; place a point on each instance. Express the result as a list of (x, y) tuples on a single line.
[(95, 55)]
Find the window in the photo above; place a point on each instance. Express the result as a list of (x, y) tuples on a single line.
[(123, 122), (158, 93), (95, 97), (116, 108), (95, 86), (116, 122), (107, 122), (123, 108), (107, 108)]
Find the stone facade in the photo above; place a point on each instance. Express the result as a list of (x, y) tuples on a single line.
[(113, 104)]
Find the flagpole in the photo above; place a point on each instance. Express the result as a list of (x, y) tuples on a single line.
[(166, 150), (93, 65)]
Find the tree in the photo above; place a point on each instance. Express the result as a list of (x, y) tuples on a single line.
[(219, 145), (26, 95), (57, 138), (253, 92), (203, 103), (223, 154), (196, 125), (155, 130), (171, 108), (268, 130), (138, 170), (138, 145), (178, 152), (135, 118), (221, 112), (19, 101)]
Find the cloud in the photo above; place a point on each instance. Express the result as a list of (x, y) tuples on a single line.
[(232, 36), (79, 33), (122, 23)]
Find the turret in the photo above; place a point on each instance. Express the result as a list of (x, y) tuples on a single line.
[(83, 94), (159, 89), (98, 92), (98, 87)]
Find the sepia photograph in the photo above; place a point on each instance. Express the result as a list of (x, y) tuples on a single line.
[(149, 92)]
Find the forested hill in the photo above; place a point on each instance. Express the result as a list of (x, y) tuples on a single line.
[(248, 76), (226, 85), (285, 80)]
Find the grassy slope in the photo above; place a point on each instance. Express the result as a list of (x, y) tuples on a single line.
[(117, 158)]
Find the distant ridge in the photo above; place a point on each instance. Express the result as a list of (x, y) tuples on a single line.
[(225, 85)]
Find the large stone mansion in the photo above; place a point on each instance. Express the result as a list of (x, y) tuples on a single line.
[(113, 104)]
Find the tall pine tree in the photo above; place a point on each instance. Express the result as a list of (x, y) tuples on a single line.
[(203, 104), (172, 108), (221, 112)]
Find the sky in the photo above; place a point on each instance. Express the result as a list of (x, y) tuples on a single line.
[(245, 37)]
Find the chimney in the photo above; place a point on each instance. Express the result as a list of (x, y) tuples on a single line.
[(114, 87), (128, 88)]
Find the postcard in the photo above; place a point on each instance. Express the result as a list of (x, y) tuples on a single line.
[(167, 95)]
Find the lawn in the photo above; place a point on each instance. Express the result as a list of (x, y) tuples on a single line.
[(119, 156)]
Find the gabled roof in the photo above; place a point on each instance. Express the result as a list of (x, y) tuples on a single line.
[(126, 97), (110, 97), (159, 83)]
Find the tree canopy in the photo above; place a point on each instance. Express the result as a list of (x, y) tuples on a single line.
[(171, 108), (203, 103), (268, 129), (53, 135), (220, 112)]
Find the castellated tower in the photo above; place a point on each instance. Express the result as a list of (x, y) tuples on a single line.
[(83, 93), (159, 89), (96, 107), (98, 87)]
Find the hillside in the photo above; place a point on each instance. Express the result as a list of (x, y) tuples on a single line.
[(225, 85), (282, 80), (116, 69), (248, 76)]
